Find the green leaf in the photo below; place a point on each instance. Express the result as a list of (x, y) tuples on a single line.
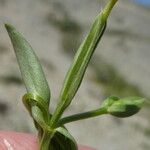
[(124, 107), (81, 60), (62, 140), (77, 70), (31, 100), (29, 64), (38, 111), (40, 117)]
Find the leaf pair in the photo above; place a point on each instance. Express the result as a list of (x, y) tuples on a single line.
[(38, 96)]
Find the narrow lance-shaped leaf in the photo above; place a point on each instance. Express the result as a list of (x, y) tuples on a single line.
[(29, 64), (81, 60), (76, 72)]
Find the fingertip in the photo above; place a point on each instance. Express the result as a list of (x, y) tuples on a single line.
[(84, 148), (22, 141), (17, 141)]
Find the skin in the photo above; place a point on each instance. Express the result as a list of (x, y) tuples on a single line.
[(21, 141)]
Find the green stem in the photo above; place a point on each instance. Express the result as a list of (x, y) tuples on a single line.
[(107, 9), (45, 141), (57, 115), (81, 116)]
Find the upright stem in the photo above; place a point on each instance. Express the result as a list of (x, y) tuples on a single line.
[(45, 141), (57, 115), (81, 116), (107, 9)]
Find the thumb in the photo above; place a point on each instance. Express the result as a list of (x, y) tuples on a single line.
[(17, 141), (21, 141)]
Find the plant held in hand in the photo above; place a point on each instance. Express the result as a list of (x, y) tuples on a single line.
[(51, 131)]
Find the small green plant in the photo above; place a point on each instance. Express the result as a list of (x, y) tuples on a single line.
[(50, 125)]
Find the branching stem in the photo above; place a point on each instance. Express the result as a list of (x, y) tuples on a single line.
[(81, 116)]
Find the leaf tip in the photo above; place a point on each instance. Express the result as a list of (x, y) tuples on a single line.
[(9, 27)]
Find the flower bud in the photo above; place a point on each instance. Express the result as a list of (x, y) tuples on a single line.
[(124, 107)]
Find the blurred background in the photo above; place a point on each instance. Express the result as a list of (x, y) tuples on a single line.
[(120, 66)]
